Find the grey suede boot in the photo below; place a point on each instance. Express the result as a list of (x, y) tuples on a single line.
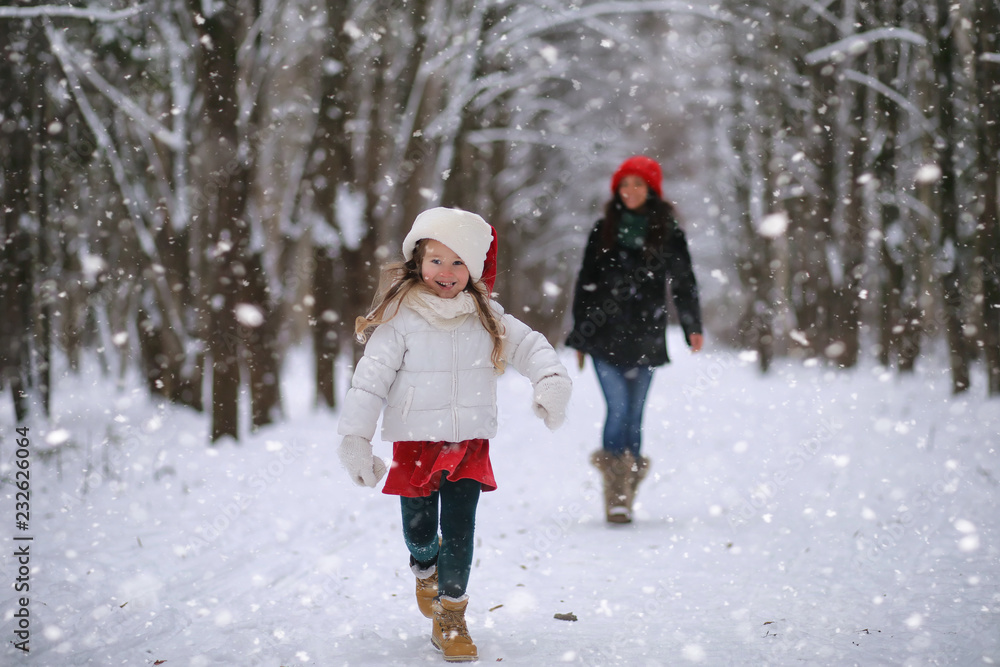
[(622, 475)]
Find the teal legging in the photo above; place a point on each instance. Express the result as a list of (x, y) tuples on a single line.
[(458, 502)]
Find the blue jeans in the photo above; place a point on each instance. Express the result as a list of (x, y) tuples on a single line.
[(625, 391), (458, 501)]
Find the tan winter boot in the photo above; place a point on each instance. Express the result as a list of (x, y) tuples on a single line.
[(450, 635), (427, 589), (427, 584), (638, 468), (615, 470)]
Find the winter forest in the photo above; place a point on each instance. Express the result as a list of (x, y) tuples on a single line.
[(191, 188), (197, 197)]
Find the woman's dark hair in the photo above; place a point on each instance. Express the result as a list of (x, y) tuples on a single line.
[(662, 221)]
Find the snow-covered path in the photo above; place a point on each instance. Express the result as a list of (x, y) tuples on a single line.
[(806, 517)]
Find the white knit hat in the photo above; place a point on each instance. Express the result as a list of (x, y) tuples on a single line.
[(466, 234)]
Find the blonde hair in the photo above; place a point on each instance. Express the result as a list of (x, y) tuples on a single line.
[(399, 278)]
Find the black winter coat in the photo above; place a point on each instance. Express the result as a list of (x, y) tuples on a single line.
[(620, 301)]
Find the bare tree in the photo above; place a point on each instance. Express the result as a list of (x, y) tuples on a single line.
[(189, 189), (949, 244), (22, 76), (987, 68)]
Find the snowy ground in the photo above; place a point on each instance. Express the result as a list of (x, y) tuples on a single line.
[(806, 517)]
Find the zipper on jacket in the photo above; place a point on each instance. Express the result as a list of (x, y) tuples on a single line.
[(407, 402), (454, 383)]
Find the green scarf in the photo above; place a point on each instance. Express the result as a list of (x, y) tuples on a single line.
[(632, 230)]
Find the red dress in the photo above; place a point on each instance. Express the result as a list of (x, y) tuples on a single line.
[(417, 466)]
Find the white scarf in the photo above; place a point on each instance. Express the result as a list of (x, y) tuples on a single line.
[(445, 314)]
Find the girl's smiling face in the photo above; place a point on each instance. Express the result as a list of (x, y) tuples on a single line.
[(442, 270), (633, 191)]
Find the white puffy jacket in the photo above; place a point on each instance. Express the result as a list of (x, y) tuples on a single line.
[(438, 384)]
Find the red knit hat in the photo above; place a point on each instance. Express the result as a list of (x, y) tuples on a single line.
[(490, 265), (645, 168)]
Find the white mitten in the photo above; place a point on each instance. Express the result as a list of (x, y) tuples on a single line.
[(356, 455), (551, 398)]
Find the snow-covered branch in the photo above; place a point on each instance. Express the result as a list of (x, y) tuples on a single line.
[(181, 92), (537, 23), (82, 65), (91, 14), (856, 44), (520, 136), (134, 197), (892, 94), (821, 11)]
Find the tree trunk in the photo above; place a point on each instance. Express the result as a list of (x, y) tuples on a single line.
[(326, 325), (849, 300), (181, 369), (22, 83), (987, 19), (950, 243), (169, 369), (755, 329), (360, 262), (262, 350), (899, 330), (814, 280), (225, 190), (46, 239), (331, 170)]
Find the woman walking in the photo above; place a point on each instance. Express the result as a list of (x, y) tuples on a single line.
[(633, 254)]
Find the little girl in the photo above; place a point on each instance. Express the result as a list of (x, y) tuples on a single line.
[(436, 343)]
